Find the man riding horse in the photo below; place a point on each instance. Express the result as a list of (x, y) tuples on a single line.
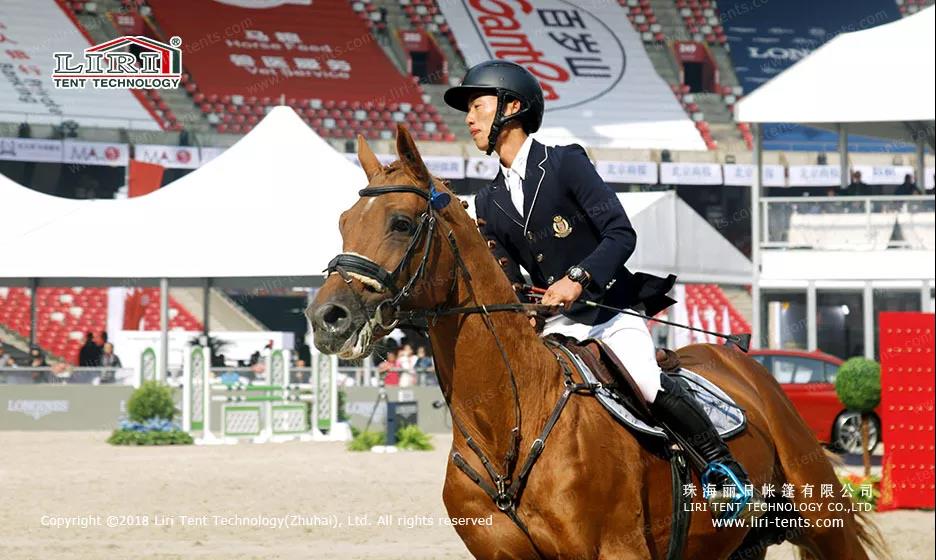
[(549, 211)]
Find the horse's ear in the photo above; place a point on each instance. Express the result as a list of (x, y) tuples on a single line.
[(369, 161), (409, 154)]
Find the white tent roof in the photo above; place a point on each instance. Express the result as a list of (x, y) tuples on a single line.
[(266, 207), (673, 239), (879, 79)]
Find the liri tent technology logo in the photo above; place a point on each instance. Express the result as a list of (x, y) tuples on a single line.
[(150, 64)]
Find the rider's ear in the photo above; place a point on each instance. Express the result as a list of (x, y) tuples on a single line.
[(369, 161), (409, 155)]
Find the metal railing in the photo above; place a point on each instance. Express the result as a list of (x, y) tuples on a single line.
[(869, 223)]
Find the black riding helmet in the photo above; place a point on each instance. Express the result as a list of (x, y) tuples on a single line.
[(507, 80)]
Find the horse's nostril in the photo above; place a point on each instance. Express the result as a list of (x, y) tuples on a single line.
[(333, 314), (333, 318)]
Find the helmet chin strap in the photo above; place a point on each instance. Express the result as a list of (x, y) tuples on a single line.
[(500, 120)]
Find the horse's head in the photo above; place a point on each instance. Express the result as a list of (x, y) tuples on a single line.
[(395, 253)]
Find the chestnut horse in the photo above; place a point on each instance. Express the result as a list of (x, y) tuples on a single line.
[(595, 491)]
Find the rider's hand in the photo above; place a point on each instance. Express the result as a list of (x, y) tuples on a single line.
[(564, 292)]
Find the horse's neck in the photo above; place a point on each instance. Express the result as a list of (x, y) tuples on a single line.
[(472, 367)]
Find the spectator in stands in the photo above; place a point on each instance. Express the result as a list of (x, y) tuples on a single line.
[(303, 352), (109, 360), (254, 358), (90, 353), (389, 369), (908, 187), (37, 360), (5, 359), (424, 367), (857, 187), (406, 359)]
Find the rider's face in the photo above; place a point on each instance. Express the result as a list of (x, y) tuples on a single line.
[(480, 117), (481, 109)]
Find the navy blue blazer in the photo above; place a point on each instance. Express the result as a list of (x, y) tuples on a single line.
[(570, 217)]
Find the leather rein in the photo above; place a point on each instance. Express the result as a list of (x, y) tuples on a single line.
[(503, 487)]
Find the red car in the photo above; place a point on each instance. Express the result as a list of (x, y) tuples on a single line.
[(808, 379)]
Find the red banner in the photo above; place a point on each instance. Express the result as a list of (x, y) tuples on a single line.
[(144, 178), (322, 51), (907, 383), (690, 51)]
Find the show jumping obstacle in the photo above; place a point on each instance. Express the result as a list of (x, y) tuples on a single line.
[(273, 411)]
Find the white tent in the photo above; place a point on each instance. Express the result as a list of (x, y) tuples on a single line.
[(672, 238), (880, 81), (265, 208)]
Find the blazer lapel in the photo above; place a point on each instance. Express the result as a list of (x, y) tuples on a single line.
[(501, 199), (533, 179)]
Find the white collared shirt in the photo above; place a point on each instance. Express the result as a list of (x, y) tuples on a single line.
[(514, 176)]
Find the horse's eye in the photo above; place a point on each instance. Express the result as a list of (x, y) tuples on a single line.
[(402, 225)]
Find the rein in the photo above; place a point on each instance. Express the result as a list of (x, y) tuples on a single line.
[(503, 488)]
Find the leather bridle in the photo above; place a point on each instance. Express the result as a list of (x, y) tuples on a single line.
[(504, 489), (352, 265)]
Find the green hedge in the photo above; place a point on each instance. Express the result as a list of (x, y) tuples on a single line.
[(151, 408), (131, 437), (152, 400), (858, 384)]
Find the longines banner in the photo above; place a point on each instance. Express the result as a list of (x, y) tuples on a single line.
[(599, 85)]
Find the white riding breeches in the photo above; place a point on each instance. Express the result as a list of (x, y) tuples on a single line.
[(629, 338)]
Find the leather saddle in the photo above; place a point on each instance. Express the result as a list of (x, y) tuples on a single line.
[(609, 370), (621, 397)]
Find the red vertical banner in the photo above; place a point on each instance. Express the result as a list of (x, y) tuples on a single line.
[(133, 310), (907, 404), (144, 178)]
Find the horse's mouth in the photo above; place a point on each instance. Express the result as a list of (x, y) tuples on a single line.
[(359, 343)]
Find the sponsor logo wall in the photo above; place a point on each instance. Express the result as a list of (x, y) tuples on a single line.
[(600, 87)]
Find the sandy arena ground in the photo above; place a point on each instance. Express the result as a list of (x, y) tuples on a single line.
[(48, 476)]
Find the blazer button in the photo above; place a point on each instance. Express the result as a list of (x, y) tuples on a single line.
[(539, 257), (491, 244), (530, 235), (502, 261), (550, 280)]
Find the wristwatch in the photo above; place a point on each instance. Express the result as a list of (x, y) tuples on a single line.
[(579, 274)]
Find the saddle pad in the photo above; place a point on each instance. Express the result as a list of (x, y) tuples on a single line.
[(725, 414)]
